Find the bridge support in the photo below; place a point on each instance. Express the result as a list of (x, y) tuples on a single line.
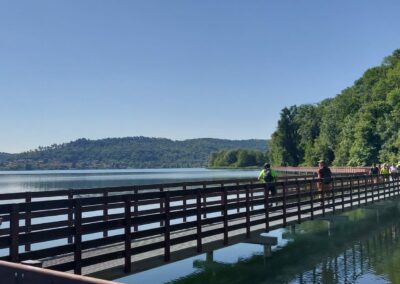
[(267, 251), (262, 240), (210, 256)]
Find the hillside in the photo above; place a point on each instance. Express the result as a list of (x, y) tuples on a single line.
[(359, 126), (129, 152), (4, 156)]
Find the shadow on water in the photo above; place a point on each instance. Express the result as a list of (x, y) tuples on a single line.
[(365, 248)]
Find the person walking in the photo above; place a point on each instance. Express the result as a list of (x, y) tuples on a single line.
[(393, 172), (324, 179), (268, 176), (374, 172)]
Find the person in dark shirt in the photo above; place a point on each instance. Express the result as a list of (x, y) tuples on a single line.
[(374, 172), (324, 176), (324, 173)]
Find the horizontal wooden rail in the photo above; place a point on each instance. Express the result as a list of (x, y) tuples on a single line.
[(24, 274)]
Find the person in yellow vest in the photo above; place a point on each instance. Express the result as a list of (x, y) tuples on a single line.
[(268, 175), (384, 169), (385, 172)]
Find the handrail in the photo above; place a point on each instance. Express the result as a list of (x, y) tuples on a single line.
[(21, 274)]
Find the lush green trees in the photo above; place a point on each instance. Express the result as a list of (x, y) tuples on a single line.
[(359, 126), (237, 158), (285, 141)]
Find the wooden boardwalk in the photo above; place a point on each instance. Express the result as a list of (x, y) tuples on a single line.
[(150, 228)]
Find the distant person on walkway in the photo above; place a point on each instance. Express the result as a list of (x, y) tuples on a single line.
[(374, 172), (267, 175), (384, 172), (324, 176), (393, 172), (384, 169)]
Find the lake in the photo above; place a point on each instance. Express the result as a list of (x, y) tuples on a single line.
[(20, 181)]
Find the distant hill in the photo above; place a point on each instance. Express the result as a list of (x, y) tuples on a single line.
[(5, 156), (128, 152)]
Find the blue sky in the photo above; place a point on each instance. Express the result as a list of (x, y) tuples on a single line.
[(178, 69)]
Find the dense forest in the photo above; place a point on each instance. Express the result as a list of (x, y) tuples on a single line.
[(238, 158), (121, 153), (356, 128)]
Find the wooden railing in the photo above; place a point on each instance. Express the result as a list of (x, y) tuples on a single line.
[(71, 194), (15, 273), (160, 215), (312, 170)]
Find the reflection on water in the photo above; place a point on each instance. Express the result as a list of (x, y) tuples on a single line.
[(363, 249), (17, 181)]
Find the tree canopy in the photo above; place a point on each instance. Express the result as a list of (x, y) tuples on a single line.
[(238, 158), (359, 126)]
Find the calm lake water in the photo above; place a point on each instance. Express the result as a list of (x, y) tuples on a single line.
[(363, 249), (17, 181)]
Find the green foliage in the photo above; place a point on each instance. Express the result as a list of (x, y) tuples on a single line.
[(285, 147), (238, 158), (129, 152), (358, 127)]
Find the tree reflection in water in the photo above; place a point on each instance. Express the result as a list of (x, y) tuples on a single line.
[(364, 249)]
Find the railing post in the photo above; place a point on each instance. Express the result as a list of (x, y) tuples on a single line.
[(284, 204), (366, 188), (14, 231), (204, 200), (127, 229), (252, 196), (397, 181), (266, 206), (28, 217), (384, 187), (184, 202), (78, 237), (247, 212), (135, 209), (299, 202), (312, 198), (359, 191), (237, 197), (225, 213), (391, 185), (162, 206), (167, 233), (351, 192), (198, 220), (70, 214), (342, 192), (378, 187), (333, 196), (105, 212), (323, 198)]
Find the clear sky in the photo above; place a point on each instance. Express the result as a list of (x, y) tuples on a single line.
[(178, 68)]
